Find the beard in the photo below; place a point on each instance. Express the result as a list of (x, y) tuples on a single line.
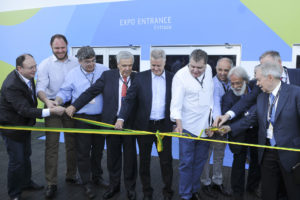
[(241, 91), (61, 58)]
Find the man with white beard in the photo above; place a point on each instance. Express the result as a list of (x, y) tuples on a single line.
[(239, 89)]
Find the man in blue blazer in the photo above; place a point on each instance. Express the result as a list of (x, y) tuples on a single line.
[(278, 116), (113, 85), (151, 92)]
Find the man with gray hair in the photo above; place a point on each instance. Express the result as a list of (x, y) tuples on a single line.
[(113, 85), (221, 86), (151, 91), (89, 147), (240, 87)]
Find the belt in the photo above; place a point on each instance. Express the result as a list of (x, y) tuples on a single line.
[(156, 122)]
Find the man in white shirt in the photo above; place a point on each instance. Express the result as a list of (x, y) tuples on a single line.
[(51, 74), (191, 108)]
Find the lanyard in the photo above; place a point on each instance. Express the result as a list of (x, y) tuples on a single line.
[(127, 82), (270, 106), (201, 82), (90, 81)]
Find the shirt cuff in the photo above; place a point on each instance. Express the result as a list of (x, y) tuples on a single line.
[(231, 114), (46, 112), (120, 119)]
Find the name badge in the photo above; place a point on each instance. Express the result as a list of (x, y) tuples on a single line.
[(92, 101), (270, 132)]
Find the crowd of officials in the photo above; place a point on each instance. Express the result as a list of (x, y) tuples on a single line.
[(265, 110)]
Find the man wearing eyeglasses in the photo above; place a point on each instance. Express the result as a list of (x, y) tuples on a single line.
[(191, 108), (18, 108), (51, 74), (89, 147)]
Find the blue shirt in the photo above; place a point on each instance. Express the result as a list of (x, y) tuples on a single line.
[(220, 89), (76, 82)]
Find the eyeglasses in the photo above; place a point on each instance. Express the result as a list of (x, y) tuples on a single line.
[(87, 62), (33, 67)]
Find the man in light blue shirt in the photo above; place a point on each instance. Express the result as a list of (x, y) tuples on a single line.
[(89, 147), (221, 86)]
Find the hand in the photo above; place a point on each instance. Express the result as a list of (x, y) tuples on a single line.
[(209, 133), (58, 110), (50, 104), (119, 124), (220, 120), (178, 128), (224, 129), (70, 110)]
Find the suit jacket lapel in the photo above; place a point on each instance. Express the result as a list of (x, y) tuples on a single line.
[(115, 86), (264, 107), (283, 96), (148, 90)]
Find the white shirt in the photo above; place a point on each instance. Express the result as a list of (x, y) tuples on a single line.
[(190, 102), (120, 91), (51, 74), (45, 112), (158, 96)]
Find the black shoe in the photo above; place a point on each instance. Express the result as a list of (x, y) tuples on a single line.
[(148, 197), (131, 195), (101, 182), (196, 196), (221, 189), (111, 192), (207, 190), (88, 190), (75, 181), (33, 186), (50, 191)]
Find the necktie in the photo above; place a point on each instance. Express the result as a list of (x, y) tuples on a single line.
[(272, 117), (124, 87), (29, 85)]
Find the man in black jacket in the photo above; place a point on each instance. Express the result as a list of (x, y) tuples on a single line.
[(113, 85), (18, 108)]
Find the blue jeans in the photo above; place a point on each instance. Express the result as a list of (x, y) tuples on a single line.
[(19, 165), (193, 155)]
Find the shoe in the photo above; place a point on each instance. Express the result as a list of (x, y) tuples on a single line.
[(131, 195), (167, 198), (75, 181), (207, 190), (221, 189), (196, 196), (88, 190), (101, 182), (33, 186), (111, 192), (50, 191), (148, 197)]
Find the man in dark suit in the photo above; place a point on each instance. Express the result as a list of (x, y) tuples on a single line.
[(278, 115), (289, 76), (151, 91), (113, 86), (240, 88), (18, 108)]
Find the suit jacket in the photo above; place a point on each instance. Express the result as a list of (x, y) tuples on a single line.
[(246, 103), (229, 100), (286, 125), (18, 105), (108, 85), (140, 93)]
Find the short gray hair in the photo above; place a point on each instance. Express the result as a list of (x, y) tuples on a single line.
[(239, 72), (124, 55), (198, 55), (158, 54), (270, 68), (85, 52), (274, 54), (225, 59)]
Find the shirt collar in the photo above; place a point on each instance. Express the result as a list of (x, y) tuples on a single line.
[(163, 75), (56, 60), (26, 80), (275, 91)]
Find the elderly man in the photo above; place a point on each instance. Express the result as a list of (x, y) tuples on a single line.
[(191, 108), (151, 91), (221, 86), (18, 108), (277, 115), (239, 89), (113, 85), (89, 146), (50, 76)]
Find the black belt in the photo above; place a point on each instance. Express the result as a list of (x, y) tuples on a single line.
[(156, 122)]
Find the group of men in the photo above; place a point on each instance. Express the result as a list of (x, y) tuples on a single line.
[(154, 100)]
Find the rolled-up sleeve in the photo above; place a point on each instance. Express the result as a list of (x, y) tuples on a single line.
[(65, 91), (42, 81)]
